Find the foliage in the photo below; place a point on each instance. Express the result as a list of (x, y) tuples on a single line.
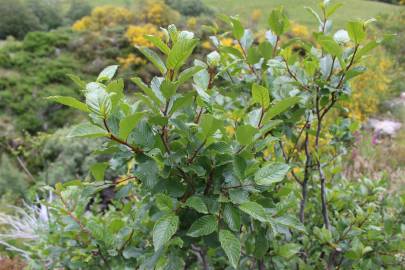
[(36, 68), (189, 193), (136, 34), (78, 9), (47, 12), (104, 17), (189, 7), (157, 12), (16, 19)]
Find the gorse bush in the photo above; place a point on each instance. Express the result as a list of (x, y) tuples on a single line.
[(227, 162)]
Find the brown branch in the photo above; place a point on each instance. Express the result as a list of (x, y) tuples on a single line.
[(118, 140), (191, 159), (252, 69)]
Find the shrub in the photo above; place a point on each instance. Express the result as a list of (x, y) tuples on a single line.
[(216, 176), (78, 9), (104, 17), (47, 12), (188, 7), (16, 19)]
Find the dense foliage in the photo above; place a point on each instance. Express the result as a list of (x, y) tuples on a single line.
[(212, 173)]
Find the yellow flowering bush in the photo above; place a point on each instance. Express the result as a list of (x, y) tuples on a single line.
[(104, 17), (299, 30), (158, 13), (130, 60), (370, 88), (256, 15), (136, 34)]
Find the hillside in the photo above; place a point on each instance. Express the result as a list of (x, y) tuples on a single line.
[(352, 9)]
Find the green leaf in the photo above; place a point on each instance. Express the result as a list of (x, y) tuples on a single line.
[(98, 170), (148, 91), (197, 204), (271, 173), (87, 130), (245, 134), (164, 229), (287, 251), (330, 45), (180, 52), (164, 202), (168, 88), (158, 43), (313, 13), (237, 28), (356, 31), (254, 210), (239, 166), (231, 245), (209, 124), (205, 225), (98, 100), (154, 59), (231, 216), (71, 102), (182, 102), (107, 73), (278, 21), (188, 73), (260, 95), (366, 49), (332, 9), (128, 123), (280, 107), (77, 81)]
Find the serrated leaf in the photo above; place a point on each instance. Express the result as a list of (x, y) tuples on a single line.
[(231, 216), (70, 101), (164, 229), (237, 30), (231, 245), (98, 100), (271, 173), (280, 107), (188, 73), (128, 123), (158, 43), (98, 170), (260, 95), (209, 124), (203, 226), (87, 130), (180, 52), (254, 210), (356, 31), (197, 204), (164, 202), (107, 73), (77, 81), (287, 251), (148, 91), (245, 134), (154, 59)]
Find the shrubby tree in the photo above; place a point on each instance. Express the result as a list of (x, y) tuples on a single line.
[(230, 162), (16, 19)]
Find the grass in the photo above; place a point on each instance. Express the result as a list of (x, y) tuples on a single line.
[(351, 9)]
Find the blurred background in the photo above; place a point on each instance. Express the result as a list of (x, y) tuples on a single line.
[(43, 41)]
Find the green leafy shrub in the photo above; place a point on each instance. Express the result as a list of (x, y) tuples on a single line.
[(47, 12), (189, 7), (78, 9), (16, 19), (227, 162)]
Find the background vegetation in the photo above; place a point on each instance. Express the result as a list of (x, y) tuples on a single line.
[(44, 42)]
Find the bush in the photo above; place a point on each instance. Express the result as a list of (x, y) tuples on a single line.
[(188, 7), (78, 9), (16, 19), (226, 163), (47, 12)]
